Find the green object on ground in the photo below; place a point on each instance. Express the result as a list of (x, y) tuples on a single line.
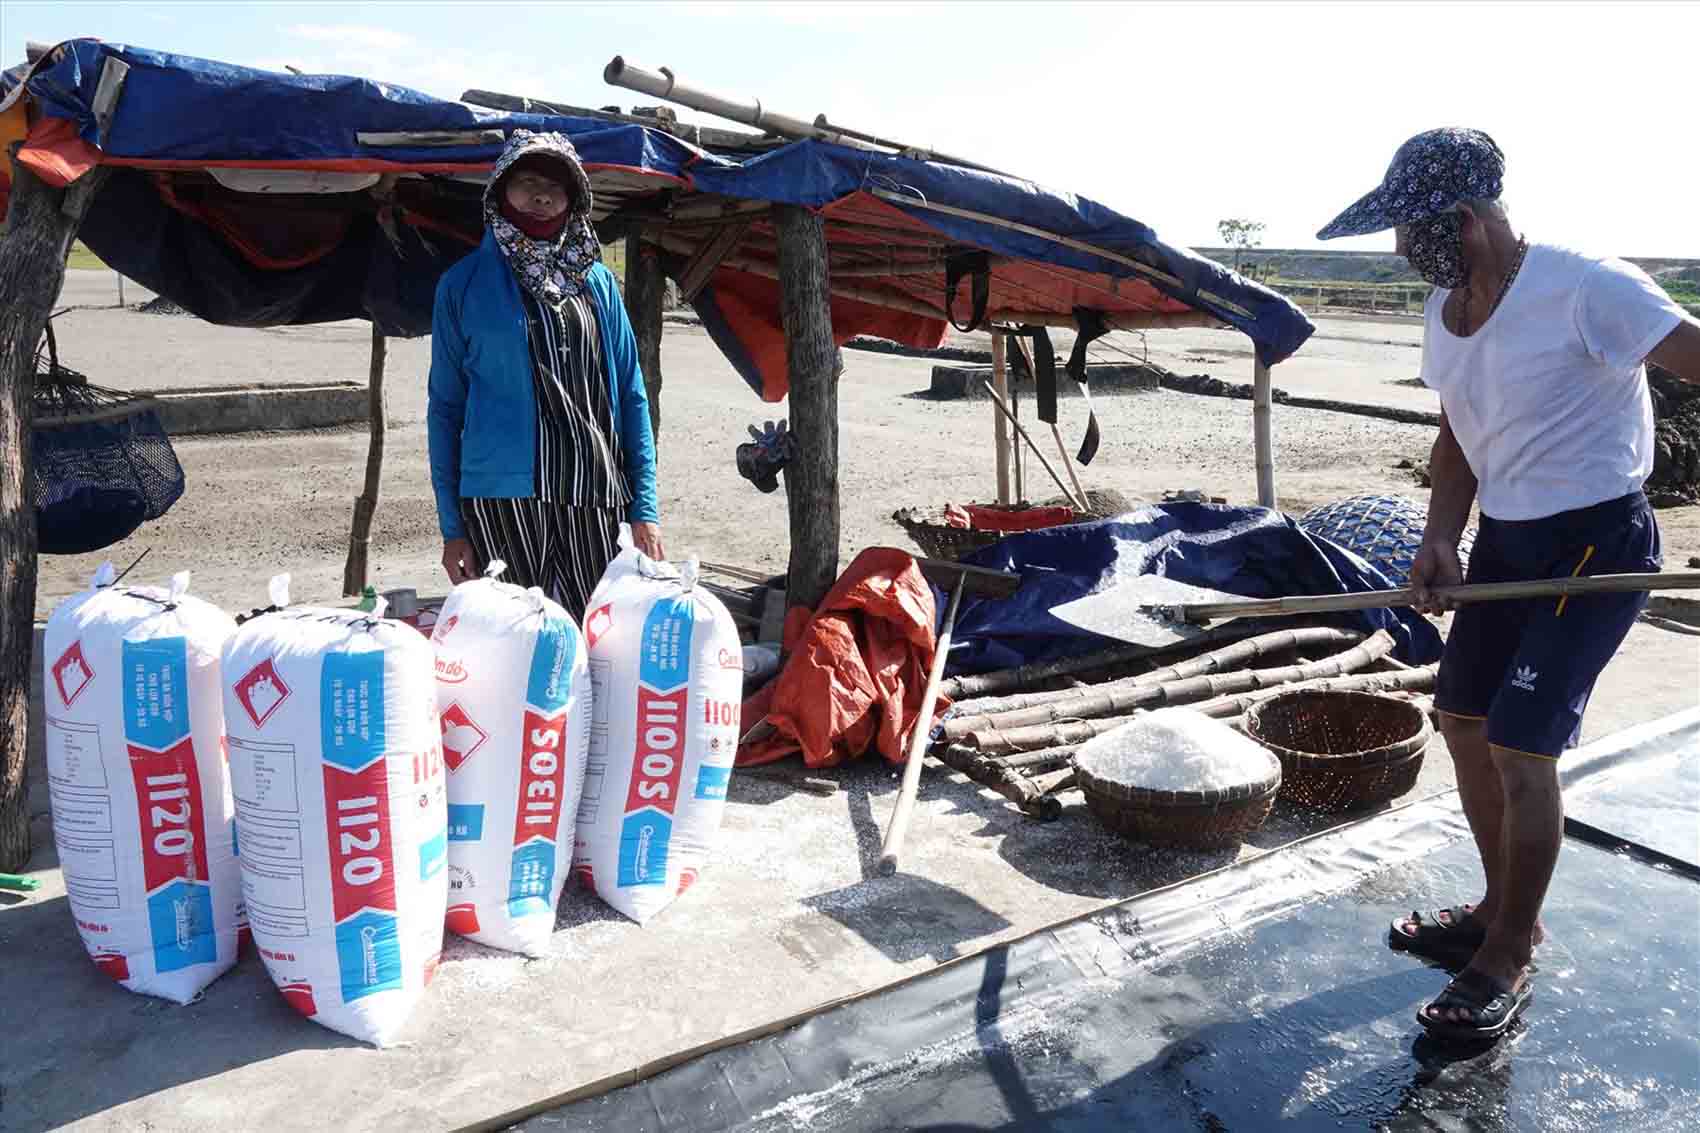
[(368, 599), (18, 881)]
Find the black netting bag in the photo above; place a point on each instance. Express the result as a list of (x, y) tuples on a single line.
[(101, 463)]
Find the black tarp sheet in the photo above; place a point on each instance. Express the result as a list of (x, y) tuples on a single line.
[(1261, 997)]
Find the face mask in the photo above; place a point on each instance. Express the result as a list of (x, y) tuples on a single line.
[(1435, 249)]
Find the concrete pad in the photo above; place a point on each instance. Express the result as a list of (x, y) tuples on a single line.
[(250, 409), (788, 916), (959, 381)]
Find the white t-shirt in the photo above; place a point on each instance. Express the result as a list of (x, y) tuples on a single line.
[(1549, 398)]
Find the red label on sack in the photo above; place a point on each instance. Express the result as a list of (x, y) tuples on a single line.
[(168, 808), (461, 735), (113, 964), (300, 996), (357, 822), (542, 776), (261, 692), (71, 673), (598, 623), (660, 755)]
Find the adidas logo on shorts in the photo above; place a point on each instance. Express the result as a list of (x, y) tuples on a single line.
[(1524, 678)]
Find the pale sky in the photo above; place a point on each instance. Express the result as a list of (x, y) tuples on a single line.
[(1178, 115)]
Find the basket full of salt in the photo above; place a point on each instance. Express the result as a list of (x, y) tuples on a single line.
[(1342, 751), (1177, 778)]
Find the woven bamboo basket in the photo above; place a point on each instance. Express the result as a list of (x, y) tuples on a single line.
[(1342, 751), (1190, 820), (939, 540)]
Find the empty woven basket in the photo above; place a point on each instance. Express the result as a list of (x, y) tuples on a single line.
[(1342, 751)]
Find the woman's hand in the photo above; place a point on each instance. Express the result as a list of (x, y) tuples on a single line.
[(460, 560), (647, 538), (1436, 565)]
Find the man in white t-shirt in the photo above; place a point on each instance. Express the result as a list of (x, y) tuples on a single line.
[(1537, 353)]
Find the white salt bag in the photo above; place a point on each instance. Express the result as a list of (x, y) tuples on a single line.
[(666, 669), (513, 690), (1177, 749), (337, 768), (142, 812)]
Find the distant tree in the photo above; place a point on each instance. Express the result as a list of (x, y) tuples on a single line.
[(1240, 235)]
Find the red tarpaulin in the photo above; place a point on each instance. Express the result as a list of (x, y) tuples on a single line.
[(856, 670)]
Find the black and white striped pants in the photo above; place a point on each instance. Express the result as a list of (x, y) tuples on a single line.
[(561, 548)]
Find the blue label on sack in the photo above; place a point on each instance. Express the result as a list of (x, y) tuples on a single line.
[(432, 856), (180, 919), (712, 781), (351, 708), (466, 822), (368, 954), (156, 692), (552, 660)]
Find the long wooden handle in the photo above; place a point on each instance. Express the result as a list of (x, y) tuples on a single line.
[(1004, 409), (900, 815), (1478, 592)]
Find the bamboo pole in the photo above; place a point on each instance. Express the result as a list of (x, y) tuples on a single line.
[(356, 570), (1003, 408), (1028, 676), (1467, 593), (1407, 680), (1227, 659), (1104, 714), (1263, 432), (898, 828), (1068, 466), (1000, 427)]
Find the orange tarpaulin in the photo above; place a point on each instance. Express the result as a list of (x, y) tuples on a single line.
[(857, 668)]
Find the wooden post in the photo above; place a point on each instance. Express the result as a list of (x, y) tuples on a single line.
[(354, 572), (1263, 433), (646, 288), (811, 479), (1000, 427), (40, 226)]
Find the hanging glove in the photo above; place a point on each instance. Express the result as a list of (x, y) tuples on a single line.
[(769, 450)]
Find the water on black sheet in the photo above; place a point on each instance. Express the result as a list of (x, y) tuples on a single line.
[(1654, 801)]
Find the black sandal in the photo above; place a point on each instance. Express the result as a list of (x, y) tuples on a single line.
[(1492, 1006), (1459, 933)]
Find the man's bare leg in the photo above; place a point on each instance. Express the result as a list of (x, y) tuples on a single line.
[(1533, 831), (1483, 799)]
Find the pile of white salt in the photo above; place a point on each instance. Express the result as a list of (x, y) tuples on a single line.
[(1177, 749)]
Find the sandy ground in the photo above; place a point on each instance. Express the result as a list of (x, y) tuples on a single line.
[(789, 915), (265, 503)]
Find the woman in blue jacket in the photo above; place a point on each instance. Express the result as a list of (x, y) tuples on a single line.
[(538, 422)]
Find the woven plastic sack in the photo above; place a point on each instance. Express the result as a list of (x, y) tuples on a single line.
[(337, 768), (667, 677), (142, 813), (1385, 531), (513, 690)]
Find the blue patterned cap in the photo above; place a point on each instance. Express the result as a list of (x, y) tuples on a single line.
[(1430, 173)]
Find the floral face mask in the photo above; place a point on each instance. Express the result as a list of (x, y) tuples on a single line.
[(1435, 249)]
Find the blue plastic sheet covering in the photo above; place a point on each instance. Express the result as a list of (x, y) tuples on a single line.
[(169, 100), (1251, 552)]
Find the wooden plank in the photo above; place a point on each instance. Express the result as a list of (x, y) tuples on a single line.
[(1000, 428), (978, 582), (709, 255), (811, 358), (106, 94), (772, 626), (434, 139)]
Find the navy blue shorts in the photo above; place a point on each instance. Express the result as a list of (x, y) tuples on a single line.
[(1528, 667)]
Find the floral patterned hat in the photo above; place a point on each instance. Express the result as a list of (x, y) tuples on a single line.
[(1430, 173)]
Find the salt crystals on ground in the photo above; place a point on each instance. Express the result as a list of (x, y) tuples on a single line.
[(1177, 749)]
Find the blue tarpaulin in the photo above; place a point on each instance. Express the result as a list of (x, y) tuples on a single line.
[(1250, 552), (178, 119)]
